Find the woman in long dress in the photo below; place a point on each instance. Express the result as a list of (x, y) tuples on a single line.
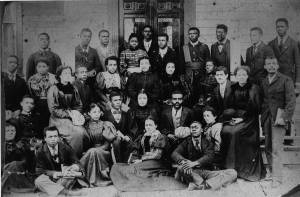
[(150, 169), (240, 138)]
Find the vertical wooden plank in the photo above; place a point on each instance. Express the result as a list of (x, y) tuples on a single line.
[(19, 37), (113, 6), (189, 17), (2, 101)]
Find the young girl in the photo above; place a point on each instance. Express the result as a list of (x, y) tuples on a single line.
[(97, 160)]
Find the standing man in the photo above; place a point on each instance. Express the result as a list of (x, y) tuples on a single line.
[(278, 106), (220, 50), (256, 55), (44, 52), (105, 49), (286, 51), (148, 44)]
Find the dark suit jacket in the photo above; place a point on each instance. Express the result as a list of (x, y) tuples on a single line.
[(84, 93), (166, 121), (153, 47), (288, 58), (91, 61), (187, 151), (279, 94), (127, 124), (159, 63), (256, 62), (45, 163), (226, 50)]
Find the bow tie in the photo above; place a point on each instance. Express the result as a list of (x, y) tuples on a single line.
[(116, 112)]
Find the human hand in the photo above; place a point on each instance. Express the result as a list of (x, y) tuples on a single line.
[(280, 122), (8, 114), (172, 137), (217, 128), (182, 132), (92, 73), (126, 138), (16, 113), (235, 121), (57, 175)]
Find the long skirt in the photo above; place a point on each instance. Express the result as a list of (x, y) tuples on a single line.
[(76, 136), (148, 175), (96, 162), (241, 147)]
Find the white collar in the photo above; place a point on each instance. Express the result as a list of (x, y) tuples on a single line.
[(148, 42), (178, 111), (283, 39), (55, 149), (194, 43), (257, 44), (224, 41), (85, 50), (271, 79), (163, 51)]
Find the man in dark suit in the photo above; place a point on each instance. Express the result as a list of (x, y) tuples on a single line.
[(125, 125), (220, 50), (286, 51), (163, 55), (43, 53), (58, 166), (147, 43), (194, 157), (256, 54), (278, 106)]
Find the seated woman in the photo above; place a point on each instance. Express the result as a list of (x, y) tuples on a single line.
[(97, 160), (65, 107), (145, 80), (240, 138), (150, 171)]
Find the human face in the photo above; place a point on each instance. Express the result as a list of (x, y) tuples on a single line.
[(150, 126), (193, 35), (27, 104), (209, 67), (81, 73), (112, 66), (196, 129), (221, 77), (95, 113), (85, 38), (147, 33), (271, 65), (51, 138), (162, 42), (241, 76), (170, 68), (281, 28), (209, 117), (116, 102), (104, 38), (65, 76), (42, 68), (43, 41), (133, 42), (10, 133), (142, 99), (221, 35), (177, 100), (12, 64), (255, 36), (145, 65)]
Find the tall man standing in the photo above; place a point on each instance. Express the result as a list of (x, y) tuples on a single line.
[(148, 44)]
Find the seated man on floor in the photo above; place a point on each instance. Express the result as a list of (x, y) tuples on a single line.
[(58, 165), (194, 157)]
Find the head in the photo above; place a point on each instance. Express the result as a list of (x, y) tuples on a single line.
[(12, 63), (196, 129), (104, 37), (10, 131), (27, 104), (142, 98), (44, 40), (150, 125), (241, 74), (94, 111), (42, 66), (177, 99), (221, 74), (144, 63), (282, 26), (221, 32), (209, 66), (111, 64), (147, 32), (271, 65), (209, 115), (51, 136), (170, 68), (81, 72), (85, 36), (116, 99), (162, 40), (133, 41), (193, 34), (255, 34), (64, 74)]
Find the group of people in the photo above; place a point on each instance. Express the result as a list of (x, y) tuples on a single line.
[(151, 119)]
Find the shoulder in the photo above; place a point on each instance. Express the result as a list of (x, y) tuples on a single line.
[(186, 109), (285, 78), (166, 111), (272, 42)]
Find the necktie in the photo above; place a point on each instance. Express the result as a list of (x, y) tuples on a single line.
[(254, 49), (220, 46), (281, 44), (197, 144)]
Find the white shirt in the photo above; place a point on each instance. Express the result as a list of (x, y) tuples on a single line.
[(283, 39), (194, 43), (222, 89), (163, 52), (54, 151), (176, 115), (271, 78), (147, 45), (195, 140), (85, 50), (116, 114), (220, 47), (12, 76)]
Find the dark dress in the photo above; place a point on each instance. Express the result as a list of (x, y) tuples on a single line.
[(240, 143), (148, 175)]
